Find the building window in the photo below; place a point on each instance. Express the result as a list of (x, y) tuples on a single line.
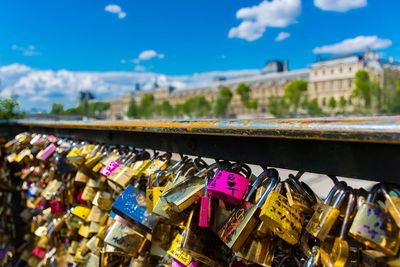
[(340, 84), (350, 69), (350, 83), (340, 70), (332, 71), (323, 72), (316, 73), (332, 85)]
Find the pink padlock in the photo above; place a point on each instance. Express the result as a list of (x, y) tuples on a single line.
[(57, 207), (205, 208), (39, 252), (228, 186), (110, 168), (47, 152), (176, 263)]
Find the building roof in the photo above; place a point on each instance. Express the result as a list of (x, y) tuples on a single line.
[(273, 77)]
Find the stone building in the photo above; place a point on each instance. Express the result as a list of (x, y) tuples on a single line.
[(333, 77)]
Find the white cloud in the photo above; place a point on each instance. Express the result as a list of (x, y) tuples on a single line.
[(355, 44), (282, 36), (149, 54), (115, 9), (340, 5), (40, 88), (256, 19), (28, 51)]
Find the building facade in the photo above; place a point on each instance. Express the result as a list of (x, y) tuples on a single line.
[(330, 78)]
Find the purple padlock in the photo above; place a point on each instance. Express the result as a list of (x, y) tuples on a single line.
[(47, 152), (228, 186)]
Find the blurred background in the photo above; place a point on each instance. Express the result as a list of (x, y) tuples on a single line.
[(120, 60)]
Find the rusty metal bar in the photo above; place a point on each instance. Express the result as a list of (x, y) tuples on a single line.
[(364, 148)]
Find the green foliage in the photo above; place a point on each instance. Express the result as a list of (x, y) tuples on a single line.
[(165, 109), (132, 109), (222, 103), (147, 106), (342, 104), (278, 106), (9, 109), (196, 106), (332, 103), (86, 108), (294, 93), (57, 109), (243, 90), (364, 89), (313, 108)]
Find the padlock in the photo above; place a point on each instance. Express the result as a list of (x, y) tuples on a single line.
[(183, 194), (258, 251), (314, 258), (229, 186), (57, 207), (103, 200), (125, 238), (338, 255), (150, 201), (327, 213), (283, 220), (47, 152), (131, 205), (374, 227), (162, 208), (244, 219), (205, 207), (202, 244), (392, 204), (81, 212), (163, 235), (176, 252), (130, 170)]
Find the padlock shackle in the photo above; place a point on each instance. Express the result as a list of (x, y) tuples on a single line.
[(259, 179), (338, 198), (272, 183), (349, 209), (337, 187), (374, 192)]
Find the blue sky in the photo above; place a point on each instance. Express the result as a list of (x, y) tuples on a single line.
[(183, 37)]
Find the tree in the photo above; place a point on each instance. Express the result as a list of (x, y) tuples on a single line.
[(96, 108), (363, 89), (9, 109), (132, 109), (165, 109), (57, 109), (278, 106), (197, 106), (147, 105), (294, 93), (342, 104), (222, 103), (243, 90), (332, 103), (314, 108)]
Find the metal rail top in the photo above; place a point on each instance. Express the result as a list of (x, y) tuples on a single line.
[(363, 129), (363, 148)]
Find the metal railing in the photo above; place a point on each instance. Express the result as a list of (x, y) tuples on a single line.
[(362, 148)]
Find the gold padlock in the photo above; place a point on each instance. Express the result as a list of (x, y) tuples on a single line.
[(327, 213), (282, 219), (338, 255)]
